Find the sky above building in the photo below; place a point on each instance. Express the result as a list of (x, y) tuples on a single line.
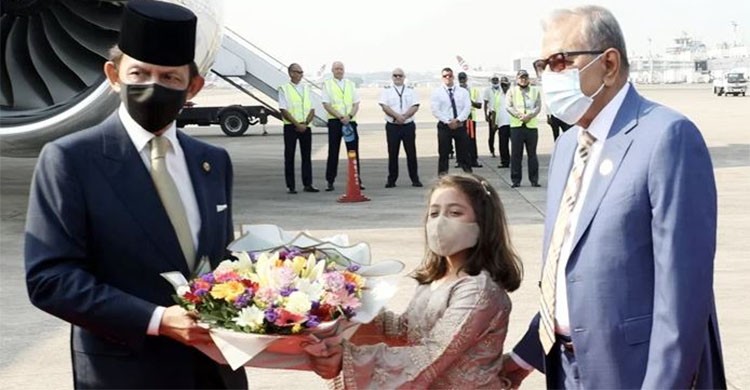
[(379, 35)]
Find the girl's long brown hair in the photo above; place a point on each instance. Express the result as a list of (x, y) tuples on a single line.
[(493, 251)]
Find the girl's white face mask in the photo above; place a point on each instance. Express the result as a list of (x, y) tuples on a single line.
[(563, 95), (446, 236)]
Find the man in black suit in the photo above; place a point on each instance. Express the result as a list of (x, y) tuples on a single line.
[(113, 206)]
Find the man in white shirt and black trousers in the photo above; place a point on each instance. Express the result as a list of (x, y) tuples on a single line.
[(400, 103), (451, 105)]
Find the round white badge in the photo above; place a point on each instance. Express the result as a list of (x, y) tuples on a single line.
[(605, 168)]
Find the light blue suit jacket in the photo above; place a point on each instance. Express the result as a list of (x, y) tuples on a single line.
[(640, 275)]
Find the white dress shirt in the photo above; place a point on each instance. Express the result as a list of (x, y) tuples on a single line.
[(400, 99), (177, 168), (326, 97), (599, 128), (441, 104)]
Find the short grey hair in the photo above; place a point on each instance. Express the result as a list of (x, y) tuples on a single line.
[(601, 30)]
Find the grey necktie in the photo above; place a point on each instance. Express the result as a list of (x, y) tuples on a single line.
[(562, 226), (170, 198)]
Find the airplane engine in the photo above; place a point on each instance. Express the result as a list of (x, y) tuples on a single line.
[(51, 78)]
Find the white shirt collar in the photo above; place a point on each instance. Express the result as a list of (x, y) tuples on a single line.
[(602, 123), (140, 136)]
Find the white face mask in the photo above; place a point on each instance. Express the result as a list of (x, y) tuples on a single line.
[(446, 236), (562, 92)]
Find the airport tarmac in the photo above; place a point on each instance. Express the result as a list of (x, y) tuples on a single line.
[(34, 345)]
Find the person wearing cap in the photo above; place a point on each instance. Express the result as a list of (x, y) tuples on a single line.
[(523, 104), (341, 101), (297, 113), (399, 103), (451, 106), (494, 106), (471, 122), (487, 96), (114, 206)]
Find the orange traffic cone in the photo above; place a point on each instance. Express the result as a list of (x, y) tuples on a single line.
[(353, 193)]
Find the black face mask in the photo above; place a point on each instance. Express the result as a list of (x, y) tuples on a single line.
[(505, 87), (152, 106)]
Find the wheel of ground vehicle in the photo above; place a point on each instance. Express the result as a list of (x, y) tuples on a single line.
[(233, 122), (721, 92)]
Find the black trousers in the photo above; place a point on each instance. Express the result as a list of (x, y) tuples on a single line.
[(291, 136), (504, 144), (557, 125), (471, 130), (445, 137), (396, 134), (520, 137), (491, 138), (334, 145)]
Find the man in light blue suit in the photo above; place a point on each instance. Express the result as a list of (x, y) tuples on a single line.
[(632, 242)]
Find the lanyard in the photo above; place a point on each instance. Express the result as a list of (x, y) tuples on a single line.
[(400, 98)]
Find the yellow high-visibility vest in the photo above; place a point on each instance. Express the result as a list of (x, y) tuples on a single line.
[(297, 105), (474, 94), (519, 103), (341, 99)]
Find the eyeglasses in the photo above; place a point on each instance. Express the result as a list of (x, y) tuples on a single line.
[(398, 75), (447, 76), (559, 61)]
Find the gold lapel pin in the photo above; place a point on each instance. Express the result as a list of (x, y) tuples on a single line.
[(206, 166)]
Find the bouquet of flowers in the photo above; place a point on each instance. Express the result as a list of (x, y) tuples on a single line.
[(281, 291)]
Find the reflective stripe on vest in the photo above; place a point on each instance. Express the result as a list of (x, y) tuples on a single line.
[(342, 100), (297, 105), (519, 103)]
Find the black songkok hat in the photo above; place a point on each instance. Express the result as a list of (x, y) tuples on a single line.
[(158, 33)]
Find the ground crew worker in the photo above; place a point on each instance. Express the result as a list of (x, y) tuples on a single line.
[(501, 120), (297, 113), (400, 102), (451, 106), (488, 98), (341, 101), (471, 123), (523, 105)]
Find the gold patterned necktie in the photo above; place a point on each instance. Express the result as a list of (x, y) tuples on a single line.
[(170, 198), (560, 231)]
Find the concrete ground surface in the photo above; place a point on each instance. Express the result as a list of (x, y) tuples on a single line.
[(34, 345)]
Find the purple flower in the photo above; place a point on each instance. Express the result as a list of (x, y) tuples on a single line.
[(271, 315), (286, 291), (353, 267), (208, 277), (315, 305), (312, 321), (201, 292), (242, 300)]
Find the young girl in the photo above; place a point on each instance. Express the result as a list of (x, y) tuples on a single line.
[(452, 334)]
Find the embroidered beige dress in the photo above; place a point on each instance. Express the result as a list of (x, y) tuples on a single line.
[(451, 336)]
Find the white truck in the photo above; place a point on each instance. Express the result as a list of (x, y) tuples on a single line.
[(731, 83)]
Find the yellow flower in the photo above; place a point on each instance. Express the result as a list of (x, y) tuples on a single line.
[(298, 264), (228, 291), (296, 328)]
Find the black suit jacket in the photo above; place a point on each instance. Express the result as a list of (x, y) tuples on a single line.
[(97, 238)]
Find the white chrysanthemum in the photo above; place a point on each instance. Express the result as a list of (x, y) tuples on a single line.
[(298, 303), (250, 316), (224, 267), (313, 289)]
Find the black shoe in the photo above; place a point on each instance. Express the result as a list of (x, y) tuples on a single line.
[(329, 187), (536, 185), (477, 165), (515, 185), (311, 189), (493, 154), (291, 191), (361, 187), (390, 184), (416, 184), (503, 166), (450, 156)]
